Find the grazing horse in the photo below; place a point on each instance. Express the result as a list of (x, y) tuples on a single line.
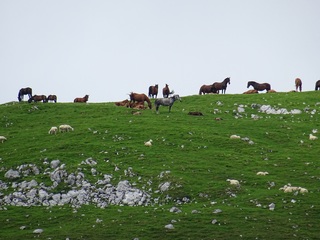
[(166, 91), (38, 98), (317, 85), (81, 100), (206, 89), (24, 91), (153, 91), (259, 86), (52, 98), (166, 102), (139, 97), (220, 86), (298, 84)]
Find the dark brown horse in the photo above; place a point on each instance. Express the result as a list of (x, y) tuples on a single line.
[(166, 91), (24, 91), (139, 97), (259, 86), (38, 98), (81, 100), (52, 98), (298, 84), (153, 91), (206, 89), (317, 85), (217, 86)]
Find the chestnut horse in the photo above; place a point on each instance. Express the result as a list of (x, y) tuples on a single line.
[(206, 89), (52, 98), (317, 85), (38, 98), (24, 91), (82, 100), (298, 84), (259, 86), (220, 86), (153, 91), (139, 97), (166, 91)]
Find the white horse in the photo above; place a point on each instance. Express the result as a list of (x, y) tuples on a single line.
[(166, 102)]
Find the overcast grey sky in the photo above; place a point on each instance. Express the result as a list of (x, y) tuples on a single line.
[(109, 48)]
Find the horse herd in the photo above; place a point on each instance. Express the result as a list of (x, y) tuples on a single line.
[(217, 86), (44, 98), (137, 100)]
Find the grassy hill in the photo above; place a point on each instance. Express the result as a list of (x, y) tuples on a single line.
[(194, 154)]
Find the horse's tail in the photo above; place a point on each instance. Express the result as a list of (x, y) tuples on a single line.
[(150, 91), (19, 96), (268, 87), (149, 103)]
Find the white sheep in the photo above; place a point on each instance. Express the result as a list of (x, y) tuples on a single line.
[(303, 190), (148, 143), (289, 188), (234, 137), (2, 139), (312, 137), (262, 173), (65, 128), (233, 182), (53, 130)]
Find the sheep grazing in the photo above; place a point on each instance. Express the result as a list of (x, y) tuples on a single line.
[(65, 128), (262, 173), (288, 188), (53, 130), (149, 143), (234, 137), (312, 137), (2, 139), (233, 182), (303, 190)]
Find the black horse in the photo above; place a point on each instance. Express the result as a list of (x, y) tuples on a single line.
[(24, 91), (259, 86), (317, 85), (220, 86)]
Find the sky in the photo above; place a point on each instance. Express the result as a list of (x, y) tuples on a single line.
[(109, 48)]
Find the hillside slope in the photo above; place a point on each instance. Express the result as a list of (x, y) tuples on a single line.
[(110, 185)]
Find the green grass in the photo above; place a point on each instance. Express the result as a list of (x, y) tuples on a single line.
[(198, 152)]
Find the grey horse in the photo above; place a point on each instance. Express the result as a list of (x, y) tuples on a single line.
[(166, 102)]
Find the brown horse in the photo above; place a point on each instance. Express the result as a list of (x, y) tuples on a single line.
[(122, 103), (52, 98), (317, 85), (298, 84), (166, 91), (206, 89), (139, 97), (38, 98), (153, 91), (82, 100), (24, 91), (220, 86), (259, 86)]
